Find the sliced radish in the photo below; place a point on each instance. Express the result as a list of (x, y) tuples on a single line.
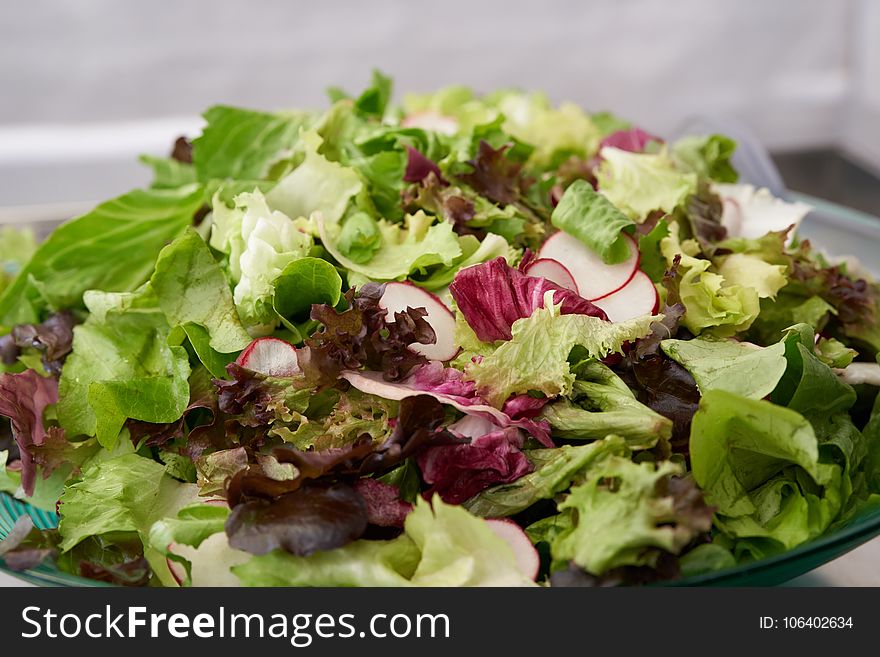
[(554, 271), (525, 553), (636, 298), (270, 356), (431, 120), (592, 277), (400, 296)]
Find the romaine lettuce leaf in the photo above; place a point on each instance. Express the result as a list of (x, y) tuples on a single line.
[(113, 247), (760, 466), (736, 367), (241, 144), (591, 217)]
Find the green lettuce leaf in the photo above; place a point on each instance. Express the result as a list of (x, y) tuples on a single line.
[(787, 310), (591, 217), (740, 368), (473, 252), (417, 246), (124, 494), (708, 156), (169, 173), (759, 465), (17, 245), (260, 243), (190, 287), (121, 367), (536, 357), (555, 470), (459, 549), (601, 404), (361, 563), (113, 247), (241, 144), (651, 259), (639, 183), (711, 302), (622, 513), (305, 282), (751, 271), (316, 185), (9, 481)]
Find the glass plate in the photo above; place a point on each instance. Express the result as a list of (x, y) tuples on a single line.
[(838, 231)]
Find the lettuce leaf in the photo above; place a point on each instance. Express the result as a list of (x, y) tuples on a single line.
[(113, 247), (121, 367), (417, 246), (601, 404), (555, 470), (124, 494), (711, 302), (536, 357), (624, 513), (736, 367), (316, 185), (591, 217), (708, 156), (639, 183), (242, 144), (760, 466), (190, 287)]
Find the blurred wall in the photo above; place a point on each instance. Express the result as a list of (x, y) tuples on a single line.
[(96, 81)]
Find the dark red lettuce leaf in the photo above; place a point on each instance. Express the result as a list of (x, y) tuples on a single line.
[(116, 558), (666, 568), (496, 176), (360, 337), (312, 518), (418, 167), (182, 151), (433, 195), (633, 140), (417, 427), (53, 338), (458, 472), (493, 295), (384, 506), (23, 398)]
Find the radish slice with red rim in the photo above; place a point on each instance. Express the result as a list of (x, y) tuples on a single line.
[(525, 553), (400, 296), (593, 278), (270, 356), (636, 298), (554, 271)]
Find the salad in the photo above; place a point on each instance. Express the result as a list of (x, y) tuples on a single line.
[(468, 340)]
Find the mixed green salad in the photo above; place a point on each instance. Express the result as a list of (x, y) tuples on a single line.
[(468, 340)]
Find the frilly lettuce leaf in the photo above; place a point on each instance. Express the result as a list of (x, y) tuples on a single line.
[(418, 245), (260, 243), (554, 132), (555, 469), (750, 271), (639, 183), (624, 513), (316, 185), (536, 357), (711, 302)]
